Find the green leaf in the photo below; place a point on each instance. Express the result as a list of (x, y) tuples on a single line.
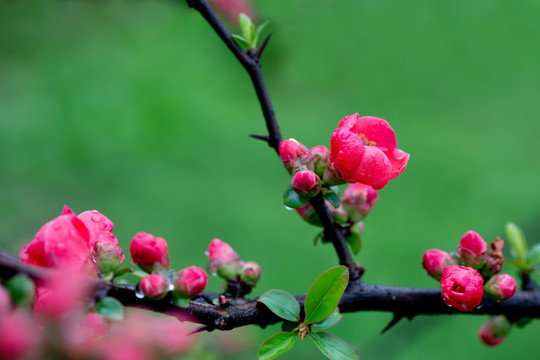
[(246, 25), (182, 302), (517, 241), (333, 198), (111, 308), (276, 345), (533, 256), (282, 304), (325, 293), (292, 199), (333, 347), (354, 241), (258, 33), (122, 271), (330, 321), (318, 237), (140, 274), (22, 289), (241, 41)]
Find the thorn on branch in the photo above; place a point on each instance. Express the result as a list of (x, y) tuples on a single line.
[(261, 48), (260, 137), (199, 329), (395, 319)]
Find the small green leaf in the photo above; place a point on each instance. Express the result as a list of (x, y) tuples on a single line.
[(333, 198), (354, 241), (533, 256), (22, 289), (318, 237), (282, 304), (333, 347), (330, 321), (241, 41), (122, 271), (276, 345), (246, 25), (292, 199), (517, 241), (111, 308), (181, 302), (325, 293), (140, 274), (258, 33)]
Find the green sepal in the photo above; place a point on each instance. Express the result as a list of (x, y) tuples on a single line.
[(355, 242), (111, 308), (330, 321), (276, 345), (282, 304), (292, 199), (516, 238), (122, 271), (22, 289), (140, 274), (332, 197), (180, 301), (333, 347), (319, 236), (325, 293)]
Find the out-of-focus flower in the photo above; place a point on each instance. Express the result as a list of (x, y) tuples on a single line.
[(495, 331), (358, 200), (18, 336), (96, 223), (321, 157), (232, 8), (462, 287)]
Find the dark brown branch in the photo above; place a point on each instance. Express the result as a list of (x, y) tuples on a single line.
[(407, 302)]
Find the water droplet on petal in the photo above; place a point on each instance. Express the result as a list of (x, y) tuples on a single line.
[(56, 226), (96, 218), (138, 292)]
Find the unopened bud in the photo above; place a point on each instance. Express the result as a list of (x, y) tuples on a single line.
[(462, 287), (155, 286), (107, 252), (223, 260), (501, 287), (190, 281), (358, 200), (434, 261), (250, 273), (306, 183), (495, 331), (472, 250), (294, 155), (331, 176), (149, 252), (320, 156)]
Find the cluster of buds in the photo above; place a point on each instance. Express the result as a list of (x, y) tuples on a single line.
[(469, 274), (240, 275)]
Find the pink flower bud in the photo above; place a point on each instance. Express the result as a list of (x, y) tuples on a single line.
[(462, 287), (107, 252), (358, 200), (190, 281), (294, 155), (149, 252), (472, 250), (232, 8), (18, 336), (96, 223), (250, 273), (320, 156), (306, 183), (434, 261), (495, 331), (223, 260), (501, 287), (364, 150), (155, 286)]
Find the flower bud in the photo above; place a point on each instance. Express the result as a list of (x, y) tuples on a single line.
[(434, 261), (190, 281), (358, 200), (306, 183), (107, 252), (495, 331), (18, 336), (294, 155), (223, 260), (472, 250), (250, 273), (320, 155), (149, 252), (462, 287), (331, 176), (501, 287), (155, 286)]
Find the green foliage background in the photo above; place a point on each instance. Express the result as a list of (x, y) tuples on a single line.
[(137, 109)]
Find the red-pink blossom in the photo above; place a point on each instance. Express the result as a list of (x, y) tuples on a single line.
[(434, 261), (472, 249), (364, 150), (155, 286), (501, 287), (190, 281), (149, 252), (495, 331), (18, 336), (294, 155), (358, 200), (96, 223), (306, 183), (222, 259), (5, 300), (462, 287), (232, 8)]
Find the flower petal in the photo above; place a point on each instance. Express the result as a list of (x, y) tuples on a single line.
[(375, 169), (346, 151), (376, 130), (399, 159)]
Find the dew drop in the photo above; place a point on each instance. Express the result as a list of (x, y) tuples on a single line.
[(214, 274), (206, 253), (138, 293), (56, 226), (288, 208), (96, 218), (171, 287)]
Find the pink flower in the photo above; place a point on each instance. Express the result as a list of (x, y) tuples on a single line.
[(358, 200), (434, 261), (294, 155), (62, 241), (149, 252), (18, 336), (472, 249), (501, 287), (190, 281), (96, 223), (462, 287), (222, 259), (364, 150), (495, 331), (5, 300), (155, 286), (306, 183), (232, 8)]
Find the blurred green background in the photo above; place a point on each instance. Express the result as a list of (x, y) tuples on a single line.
[(136, 108)]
